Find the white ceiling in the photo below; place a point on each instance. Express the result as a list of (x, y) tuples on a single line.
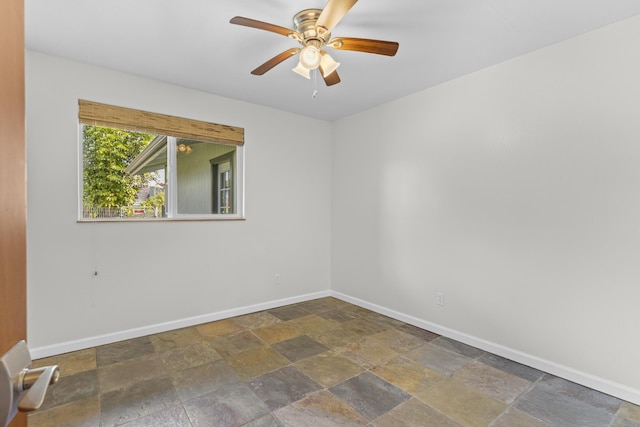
[(191, 43)]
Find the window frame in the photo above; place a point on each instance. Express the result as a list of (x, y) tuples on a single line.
[(153, 123)]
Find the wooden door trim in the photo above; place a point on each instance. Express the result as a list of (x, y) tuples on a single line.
[(13, 191)]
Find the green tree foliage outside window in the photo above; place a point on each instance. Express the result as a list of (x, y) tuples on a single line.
[(106, 153)]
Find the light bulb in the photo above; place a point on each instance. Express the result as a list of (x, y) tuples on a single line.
[(328, 64), (300, 69), (310, 57)]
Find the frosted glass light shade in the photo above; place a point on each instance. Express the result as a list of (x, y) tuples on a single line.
[(329, 65), (302, 70), (310, 57)]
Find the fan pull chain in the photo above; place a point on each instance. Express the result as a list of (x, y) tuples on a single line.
[(315, 83)]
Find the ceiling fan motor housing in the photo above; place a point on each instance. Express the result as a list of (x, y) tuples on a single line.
[(304, 23)]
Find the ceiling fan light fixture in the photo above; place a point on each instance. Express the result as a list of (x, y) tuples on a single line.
[(302, 70), (329, 65), (310, 57)]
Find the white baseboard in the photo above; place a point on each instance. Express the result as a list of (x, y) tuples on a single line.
[(612, 388), (65, 347)]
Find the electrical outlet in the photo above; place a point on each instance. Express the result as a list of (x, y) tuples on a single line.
[(276, 279), (440, 298)]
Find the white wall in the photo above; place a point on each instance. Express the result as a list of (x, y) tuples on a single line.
[(152, 273), (516, 192)]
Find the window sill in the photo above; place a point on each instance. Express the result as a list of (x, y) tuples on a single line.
[(179, 219)]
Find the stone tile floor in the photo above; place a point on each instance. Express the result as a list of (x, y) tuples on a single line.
[(318, 363)]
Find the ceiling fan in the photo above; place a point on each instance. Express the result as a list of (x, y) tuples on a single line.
[(312, 29)]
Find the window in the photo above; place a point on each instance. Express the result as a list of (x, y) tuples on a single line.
[(140, 165)]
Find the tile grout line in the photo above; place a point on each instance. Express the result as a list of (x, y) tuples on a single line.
[(531, 387)]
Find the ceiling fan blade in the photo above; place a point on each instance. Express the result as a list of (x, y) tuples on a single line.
[(331, 79), (334, 12), (248, 22), (379, 47), (275, 61)]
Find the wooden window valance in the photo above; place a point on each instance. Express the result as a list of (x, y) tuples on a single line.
[(96, 114)]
